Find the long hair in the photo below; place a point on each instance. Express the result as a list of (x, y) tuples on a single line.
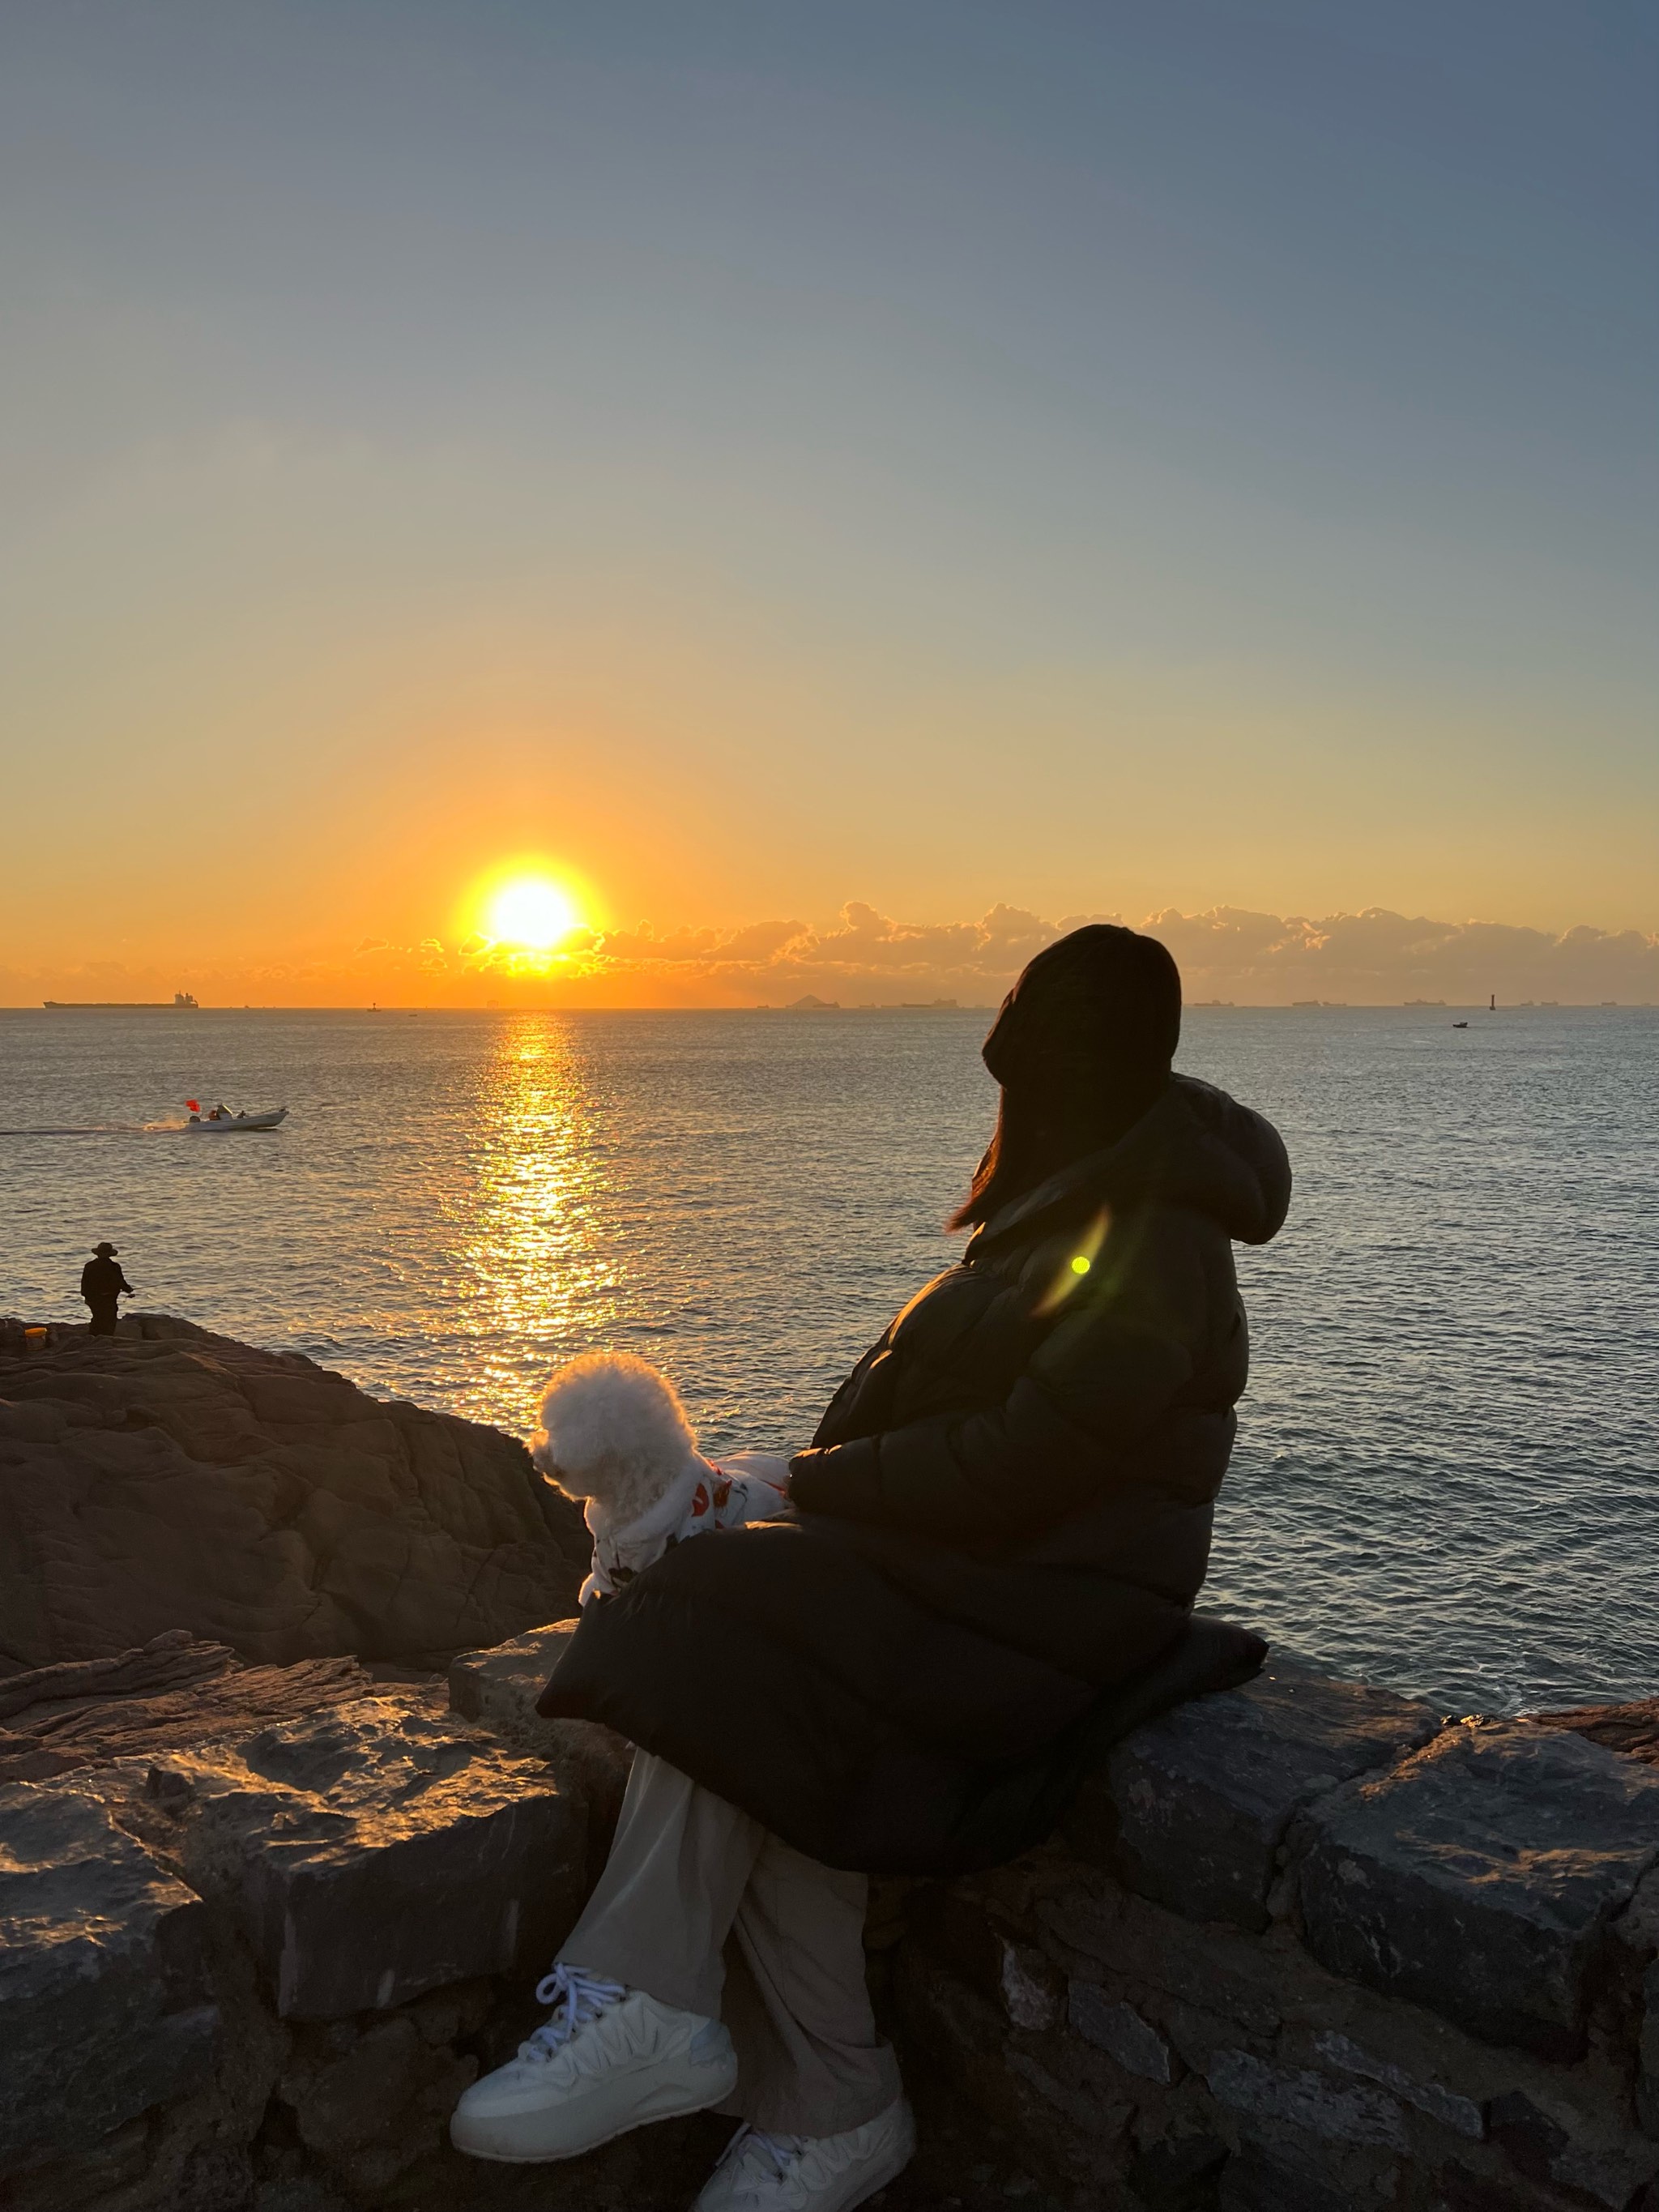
[(1081, 1048)]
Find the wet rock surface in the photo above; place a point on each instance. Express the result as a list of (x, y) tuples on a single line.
[(168, 1478)]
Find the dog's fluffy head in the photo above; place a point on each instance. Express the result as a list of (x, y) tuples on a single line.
[(613, 1429)]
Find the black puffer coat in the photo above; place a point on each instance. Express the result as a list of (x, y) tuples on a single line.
[(1006, 1514)]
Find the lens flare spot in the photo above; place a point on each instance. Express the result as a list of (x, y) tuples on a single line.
[(1081, 1264)]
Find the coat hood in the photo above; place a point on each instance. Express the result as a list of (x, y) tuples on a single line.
[(1194, 1146)]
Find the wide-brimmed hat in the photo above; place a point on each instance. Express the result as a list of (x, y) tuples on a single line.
[(104, 1251)]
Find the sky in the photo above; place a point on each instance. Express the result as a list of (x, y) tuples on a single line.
[(790, 467)]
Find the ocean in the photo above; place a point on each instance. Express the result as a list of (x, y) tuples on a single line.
[(1446, 1476)]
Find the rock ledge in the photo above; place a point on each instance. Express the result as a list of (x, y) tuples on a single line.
[(169, 1478)]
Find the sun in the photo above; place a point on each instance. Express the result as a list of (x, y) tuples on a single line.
[(529, 914), (534, 911)]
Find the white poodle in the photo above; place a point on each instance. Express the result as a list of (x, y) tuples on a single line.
[(614, 1434)]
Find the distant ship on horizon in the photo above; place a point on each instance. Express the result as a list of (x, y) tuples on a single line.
[(182, 1002)]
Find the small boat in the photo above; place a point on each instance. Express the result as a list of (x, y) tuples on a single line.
[(225, 1123), (1460, 1025)]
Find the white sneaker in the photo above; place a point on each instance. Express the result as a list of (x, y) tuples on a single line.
[(610, 2059), (811, 2173)]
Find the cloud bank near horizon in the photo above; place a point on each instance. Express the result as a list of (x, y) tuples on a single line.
[(868, 958)]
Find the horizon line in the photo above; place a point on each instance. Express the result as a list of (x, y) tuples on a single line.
[(868, 1006)]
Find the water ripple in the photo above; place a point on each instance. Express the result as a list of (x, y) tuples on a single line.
[(1449, 1460)]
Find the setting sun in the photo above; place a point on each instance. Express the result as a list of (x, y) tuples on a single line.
[(532, 911)]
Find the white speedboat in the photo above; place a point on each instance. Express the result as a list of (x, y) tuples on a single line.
[(211, 1125)]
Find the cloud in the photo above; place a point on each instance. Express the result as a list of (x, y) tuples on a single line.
[(1371, 957), (865, 957), (758, 942), (1379, 958)]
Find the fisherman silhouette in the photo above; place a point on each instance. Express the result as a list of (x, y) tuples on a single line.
[(102, 1284)]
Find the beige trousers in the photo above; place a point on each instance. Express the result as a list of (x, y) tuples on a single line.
[(706, 1910)]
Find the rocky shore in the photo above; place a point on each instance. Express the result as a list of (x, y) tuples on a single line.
[(1307, 1945), (168, 1478)]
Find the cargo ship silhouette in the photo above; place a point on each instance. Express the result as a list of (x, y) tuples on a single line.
[(183, 1002)]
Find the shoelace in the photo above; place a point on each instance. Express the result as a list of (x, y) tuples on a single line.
[(781, 2151), (577, 1999)]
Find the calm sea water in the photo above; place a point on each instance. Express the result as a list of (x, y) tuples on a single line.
[(1448, 1474)]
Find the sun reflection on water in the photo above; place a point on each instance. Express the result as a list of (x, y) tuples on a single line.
[(535, 1279)]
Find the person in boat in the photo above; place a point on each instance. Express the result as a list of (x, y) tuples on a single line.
[(102, 1285), (1000, 1529)]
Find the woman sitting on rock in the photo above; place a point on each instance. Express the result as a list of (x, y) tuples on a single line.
[(1003, 1521)]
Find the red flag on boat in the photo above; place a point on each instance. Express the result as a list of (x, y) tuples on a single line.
[(194, 1104)]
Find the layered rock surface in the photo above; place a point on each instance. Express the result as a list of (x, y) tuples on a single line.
[(500, 1689), (368, 1855), (253, 1974), (296, 1932), (90, 1712), (1303, 1947), (169, 1478), (1481, 1877), (1632, 1728), (107, 2005), (1197, 1803)]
